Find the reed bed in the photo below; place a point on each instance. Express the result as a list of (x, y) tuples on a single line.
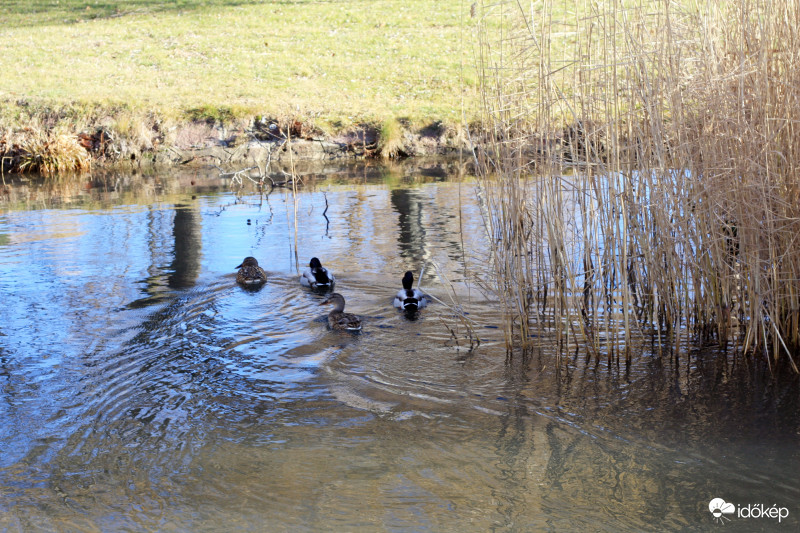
[(640, 172)]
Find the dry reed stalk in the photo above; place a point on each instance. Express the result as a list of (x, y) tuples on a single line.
[(682, 213), (456, 308)]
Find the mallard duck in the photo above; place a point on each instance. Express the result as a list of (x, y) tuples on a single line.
[(317, 276), (250, 273), (338, 319), (409, 298)]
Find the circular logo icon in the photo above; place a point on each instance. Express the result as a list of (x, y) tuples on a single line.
[(719, 508)]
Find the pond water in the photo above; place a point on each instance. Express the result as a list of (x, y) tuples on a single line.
[(142, 389)]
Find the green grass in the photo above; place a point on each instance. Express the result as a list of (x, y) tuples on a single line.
[(332, 62)]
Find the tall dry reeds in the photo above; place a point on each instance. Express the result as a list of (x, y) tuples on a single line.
[(640, 173)]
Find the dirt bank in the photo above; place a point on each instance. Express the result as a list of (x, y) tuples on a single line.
[(257, 142)]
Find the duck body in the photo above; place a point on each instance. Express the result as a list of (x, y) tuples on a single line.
[(250, 274), (317, 276), (338, 319), (409, 298)]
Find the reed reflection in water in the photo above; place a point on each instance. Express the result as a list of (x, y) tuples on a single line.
[(140, 388)]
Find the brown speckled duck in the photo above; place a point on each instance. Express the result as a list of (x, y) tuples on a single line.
[(338, 319), (250, 273)]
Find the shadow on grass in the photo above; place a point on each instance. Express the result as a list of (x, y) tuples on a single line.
[(46, 12)]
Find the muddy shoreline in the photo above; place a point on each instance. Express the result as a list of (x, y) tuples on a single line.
[(258, 144)]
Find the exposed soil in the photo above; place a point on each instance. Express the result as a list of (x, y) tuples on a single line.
[(257, 143)]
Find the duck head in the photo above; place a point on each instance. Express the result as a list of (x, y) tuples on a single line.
[(248, 261), (408, 281), (335, 299)]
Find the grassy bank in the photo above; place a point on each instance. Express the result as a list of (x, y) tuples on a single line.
[(139, 65), (644, 179), (334, 61)]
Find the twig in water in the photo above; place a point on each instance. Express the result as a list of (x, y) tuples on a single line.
[(327, 220)]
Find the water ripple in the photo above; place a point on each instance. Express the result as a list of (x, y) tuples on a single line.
[(142, 389)]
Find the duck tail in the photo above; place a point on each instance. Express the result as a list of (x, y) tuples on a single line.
[(410, 304)]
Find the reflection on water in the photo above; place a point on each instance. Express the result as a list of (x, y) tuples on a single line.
[(175, 262), (410, 206), (141, 389), (186, 231)]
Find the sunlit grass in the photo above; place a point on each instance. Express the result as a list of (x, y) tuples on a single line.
[(333, 62)]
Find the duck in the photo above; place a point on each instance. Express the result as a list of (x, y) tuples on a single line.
[(250, 273), (338, 319), (317, 276), (409, 298)]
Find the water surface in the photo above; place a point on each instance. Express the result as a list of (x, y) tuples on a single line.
[(141, 389)]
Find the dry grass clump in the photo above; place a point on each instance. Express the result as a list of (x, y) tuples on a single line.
[(390, 139), (641, 174), (141, 132), (49, 139), (51, 153)]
